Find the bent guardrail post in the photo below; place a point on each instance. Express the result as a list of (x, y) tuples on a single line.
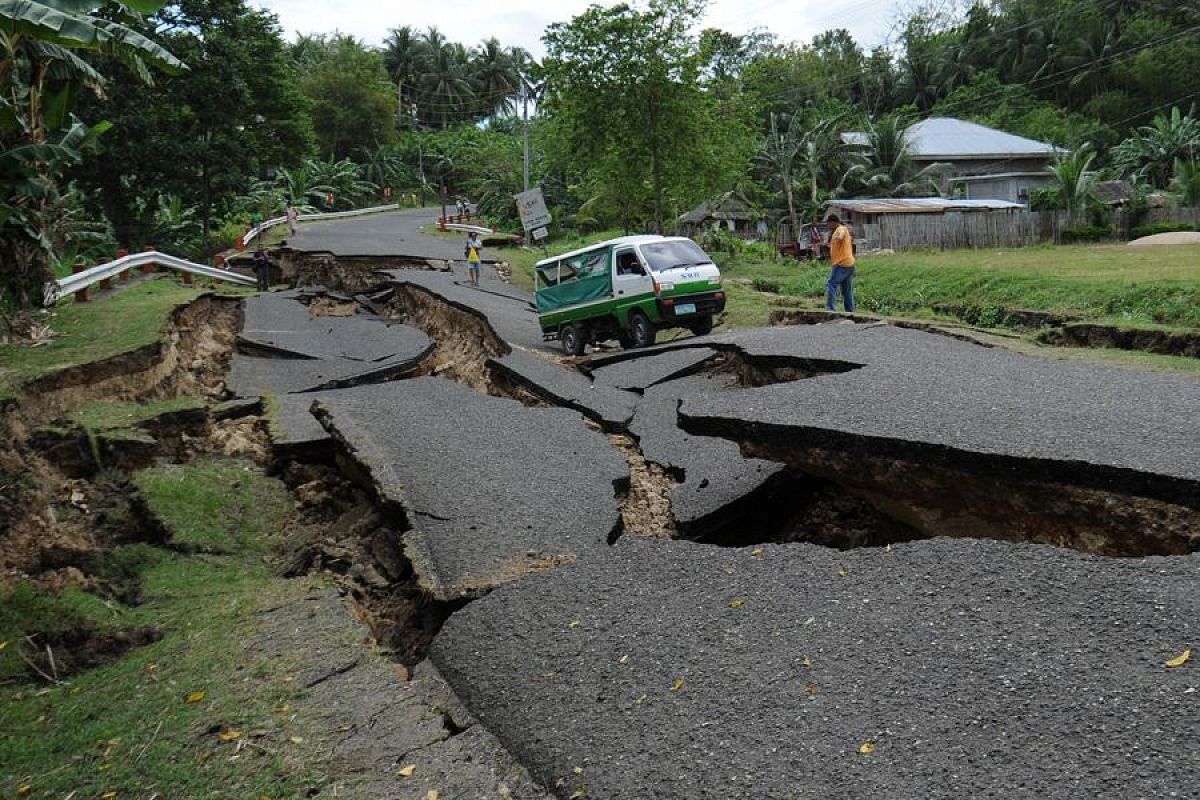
[(81, 295)]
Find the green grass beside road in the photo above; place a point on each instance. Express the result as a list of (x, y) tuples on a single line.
[(86, 332), (194, 714), (1150, 286)]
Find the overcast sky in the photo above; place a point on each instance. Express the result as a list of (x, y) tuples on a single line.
[(521, 22)]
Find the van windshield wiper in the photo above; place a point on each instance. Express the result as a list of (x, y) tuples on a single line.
[(684, 265)]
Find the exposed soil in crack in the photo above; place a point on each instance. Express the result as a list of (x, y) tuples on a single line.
[(463, 341), (1094, 335), (646, 501), (345, 274), (805, 509), (340, 529), (979, 497)]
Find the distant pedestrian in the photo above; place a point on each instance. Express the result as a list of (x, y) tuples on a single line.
[(292, 215), (262, 269), (474, 246), (841, 255)]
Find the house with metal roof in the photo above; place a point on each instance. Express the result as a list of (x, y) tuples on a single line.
[(985, 163)]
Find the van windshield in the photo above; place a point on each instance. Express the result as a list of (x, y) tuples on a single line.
[(669, 255)]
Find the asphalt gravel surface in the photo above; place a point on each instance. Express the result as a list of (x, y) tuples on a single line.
[(611, 407), (934, 669), (390, 233), (493, 490), (285, 326), (1119, 425)]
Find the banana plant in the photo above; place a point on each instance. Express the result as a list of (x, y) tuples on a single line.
[(43, 70)]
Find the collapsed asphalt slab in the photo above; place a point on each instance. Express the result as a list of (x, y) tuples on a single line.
[(492, 489), (510, 312), (714, 480), (284, 326), (934, 669), (612, 408), (284, 348), (640, 372), (959, 439)]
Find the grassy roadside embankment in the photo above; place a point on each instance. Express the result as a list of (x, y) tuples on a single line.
[(1154, 288), (194, 714), (85, 332)]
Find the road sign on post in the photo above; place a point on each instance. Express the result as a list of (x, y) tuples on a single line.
[(540, 233), (532, 208)]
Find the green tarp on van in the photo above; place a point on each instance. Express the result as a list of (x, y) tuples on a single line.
[(581, 279)]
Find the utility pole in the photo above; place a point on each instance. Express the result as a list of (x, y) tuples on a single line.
[(525, 145)]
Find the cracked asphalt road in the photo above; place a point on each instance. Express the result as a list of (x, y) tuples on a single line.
[(486, 504), (941, 668)]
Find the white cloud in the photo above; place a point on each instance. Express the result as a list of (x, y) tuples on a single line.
[(521, 22)]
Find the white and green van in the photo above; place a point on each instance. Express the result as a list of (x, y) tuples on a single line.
[(627, 289)]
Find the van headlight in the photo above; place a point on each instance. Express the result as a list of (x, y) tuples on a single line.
[(714, 281), (665, 286)]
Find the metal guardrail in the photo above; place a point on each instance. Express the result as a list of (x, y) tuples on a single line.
[(55, 290), (271, 223)]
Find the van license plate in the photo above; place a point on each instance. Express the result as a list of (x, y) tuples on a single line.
[(685, 308)]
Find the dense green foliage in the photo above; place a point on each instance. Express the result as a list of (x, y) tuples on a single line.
[(634, 118)]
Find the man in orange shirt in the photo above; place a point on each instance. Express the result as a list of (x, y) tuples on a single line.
[(841, 254)]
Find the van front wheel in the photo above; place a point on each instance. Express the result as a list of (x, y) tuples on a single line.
[(641, 330), (573, 341)]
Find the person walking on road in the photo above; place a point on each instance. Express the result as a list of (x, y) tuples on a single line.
[(262, 269), (292, 215), (841, 254), (474, 246)]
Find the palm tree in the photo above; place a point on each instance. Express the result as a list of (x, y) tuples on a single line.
[(822, 153), (404, 56), (495, 75), (446, 91), (777, 156), (886, 167), (1076, 184)]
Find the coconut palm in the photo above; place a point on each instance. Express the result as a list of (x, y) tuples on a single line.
[(885, 168), (496, 78), (777, 157), (404, 56), (1075, 181)]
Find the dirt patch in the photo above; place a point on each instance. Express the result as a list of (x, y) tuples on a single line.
[(53, 656), (463, 340), (339, 529), (326, 306), (1090, 334), (345, 274), (646, 503)]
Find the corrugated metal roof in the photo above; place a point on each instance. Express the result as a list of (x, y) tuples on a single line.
[(921, 205), (949, 139), (943, 137)]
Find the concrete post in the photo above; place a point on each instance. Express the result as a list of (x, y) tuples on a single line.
[(124, 273), (148, 268)]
